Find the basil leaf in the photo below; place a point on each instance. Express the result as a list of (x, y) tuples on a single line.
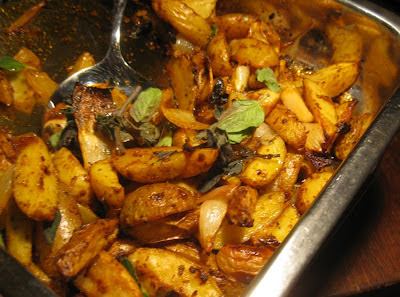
[(241, 115), (54, 139), (166, 140), (11, 64), (145, 105), (237, 137), (50, 230), (214, 30), (267, 75), (131, 269)]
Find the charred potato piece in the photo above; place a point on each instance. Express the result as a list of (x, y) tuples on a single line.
[(173, 271), (151, 165), (107, 277), (240, 206), (85, 245), (241, 261), (105, 183), (155, 201), (218, 51), (35, 181)]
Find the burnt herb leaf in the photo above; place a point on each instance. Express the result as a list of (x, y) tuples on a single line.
[(150, 133), (146, 105), (11, 64), (132, 271), (50, 229), (163, 155), (267, 76)]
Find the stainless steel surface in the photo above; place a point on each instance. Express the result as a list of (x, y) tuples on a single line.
[(290, 261), (112, 68)]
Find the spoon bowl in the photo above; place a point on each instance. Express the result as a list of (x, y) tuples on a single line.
[(113, 68)]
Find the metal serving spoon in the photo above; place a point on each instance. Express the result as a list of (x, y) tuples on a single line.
[(113, 66)]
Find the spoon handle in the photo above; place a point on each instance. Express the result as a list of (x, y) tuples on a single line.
[(117, 16)]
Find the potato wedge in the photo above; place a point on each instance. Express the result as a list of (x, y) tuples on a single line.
[(105, 183), (27, 57), (184, 19), (173, 271), (218, 51), (19, 231), (6, 185), (183, 119), (335, 79), (100, 279), (204, 8), (234, 25), (42, 84), (24, 96), (85, 245), (243, 262), (293, 101), (286, 124), (151, 165), (310, 189), (35, 181), (347, 45), (322, 108), (85, 60), (200, 161), (240, 206), (253, 52), (155, 201), (73, 175), (261, 171)]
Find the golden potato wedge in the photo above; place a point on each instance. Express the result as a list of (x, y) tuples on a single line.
[(24, 96), (151, 165), (204, 8), (173, 271), (270, 98), (234, 25), (107, 277), (279, 229), (122, 247), (288, 176), (261, 171), (85, 60), (240, 206), (105, 183), (286, 124), (6, 90), (72, 174), (243, 262), (310, 189), (184, 19), (322, 108), (218, 51), (42, 84), (180, 70), (253, 52), (155, 201), (199, 161), (35, 181), (27, 57), (359, 124), (69, 223), (316, 141), (293, 101), (264, 32), (6, 186), (183, 119), (19, 230), (335, 79), (84, 245)]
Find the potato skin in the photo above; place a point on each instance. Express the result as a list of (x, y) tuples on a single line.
[(35, 181), (147, 165), (241, 261), (85, 245), (155, 201), (200, 161), (241, 204)]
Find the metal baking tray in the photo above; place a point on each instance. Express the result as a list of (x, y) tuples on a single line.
[(377, 88)]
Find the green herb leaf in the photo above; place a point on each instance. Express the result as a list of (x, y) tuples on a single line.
[(237, 137), (131, 269), (267, 75), (146, 105), (166, 140), (54, 139), (49, 231), (11, 64), (214, 30)]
